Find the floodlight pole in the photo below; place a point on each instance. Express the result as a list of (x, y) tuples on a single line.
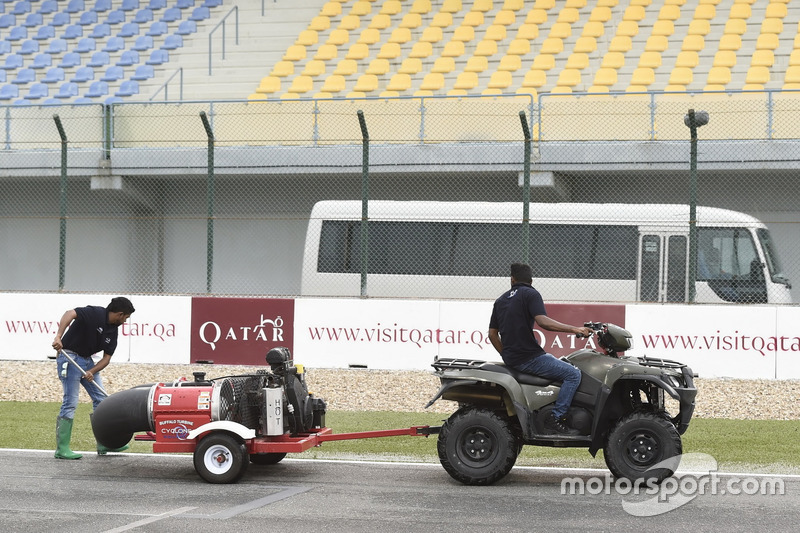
[(210, 189), (526, 190), (364, 201), (62, 243), (693, 121)]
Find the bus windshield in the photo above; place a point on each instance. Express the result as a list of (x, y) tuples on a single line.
[(773, 262)]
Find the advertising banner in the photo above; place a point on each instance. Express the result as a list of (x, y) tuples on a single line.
[(240, 331), (158, 332)]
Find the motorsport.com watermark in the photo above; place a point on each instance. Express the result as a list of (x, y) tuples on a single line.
[(698, 477)]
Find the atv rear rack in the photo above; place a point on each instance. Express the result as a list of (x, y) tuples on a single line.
[(449, 363)]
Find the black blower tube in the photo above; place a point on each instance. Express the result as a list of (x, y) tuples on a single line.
[(121, 415)]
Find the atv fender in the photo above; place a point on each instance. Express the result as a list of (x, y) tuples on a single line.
[(449, 385), (243, 432)]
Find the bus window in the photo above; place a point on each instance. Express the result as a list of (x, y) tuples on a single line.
[(770, 255), (727, 259), (650, 261)]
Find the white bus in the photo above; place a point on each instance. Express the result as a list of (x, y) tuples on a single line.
[(578, 252)]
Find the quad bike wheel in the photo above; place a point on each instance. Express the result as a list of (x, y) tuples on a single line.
[(264, 459), (477, 447), (220, 458), (639, 442)]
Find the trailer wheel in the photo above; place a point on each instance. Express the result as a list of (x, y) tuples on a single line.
[(264, 459), (220, 458), (638, 443), (477, 446)]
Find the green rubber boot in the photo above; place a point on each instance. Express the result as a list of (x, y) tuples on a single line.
[(102, 450), (63, 436)]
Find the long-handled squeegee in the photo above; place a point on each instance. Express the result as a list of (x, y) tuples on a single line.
[(83, 372)]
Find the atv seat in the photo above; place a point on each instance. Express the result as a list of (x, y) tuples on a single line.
[(522, 377)]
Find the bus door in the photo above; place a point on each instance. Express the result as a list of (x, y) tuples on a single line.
[(663, 267)]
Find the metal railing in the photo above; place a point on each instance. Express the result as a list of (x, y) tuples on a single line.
[(235, 9)]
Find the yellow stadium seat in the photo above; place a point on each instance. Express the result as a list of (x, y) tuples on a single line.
[(730, 42), (719, 76), (326, 52), (725, 58), (650, 60), (451, 6), (643, 77), (535, 79), (577, 61), (792, 75), (411, 21), (519, 47), (544, 62), (699, 27), (296, 52), (735, 27), (740, 11), (400, 36), (776, 10), (482, 5), (346, 67), (443, 65), (390, 51), (338, 37), (613, 60), (513, 5), (663, 27), (634, 13), (656, 43), (495, 32), (307, 38), (510, 63), (421, 6), (794, 57), (693, 43), (576, 4), (381, 21), (283, 69), (561, 89), (536, 16), (767, 41), (705, 12), (762, 58), (453, 49), (358, 51), (301, 84), (442, 20), (680, 76), (319, 23), (687, 58), (391, 7), (333, 84), (476, 64), (527, 91), (544, 4), (369, 36), (331, 9), (568, 15), (772, 25), (486, 47), (620, 43), (505, 17), (756, 78), (600, 14), (585, 45), (669, 12), (608, 3), (606, 77), (593, 29), (433, 81), (349, 23), (560, 30), (399, 83), (500, 80), (366, 83), (421, 49), (569, 77), (464, 34), (679, 2), (361, 8), (552, 46), (644, 3), (410, 65), (628, 28), (473, 19), (595, 89), (378, 66), (313, 68), (431, 34), (269, 85), (466, 81)]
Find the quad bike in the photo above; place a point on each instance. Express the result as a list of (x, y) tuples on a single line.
[(619, 407)]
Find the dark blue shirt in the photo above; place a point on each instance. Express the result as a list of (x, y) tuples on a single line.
[(513, 316), (90, 332)]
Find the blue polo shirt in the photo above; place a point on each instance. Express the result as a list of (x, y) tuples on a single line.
[(90, 332), (512, 315)]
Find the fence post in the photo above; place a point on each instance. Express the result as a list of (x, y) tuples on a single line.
[(526, 189), (364, 201), (209, 203), (693, 120), (62, 242)]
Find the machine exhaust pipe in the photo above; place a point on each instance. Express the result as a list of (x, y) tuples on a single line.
[(121, 415)]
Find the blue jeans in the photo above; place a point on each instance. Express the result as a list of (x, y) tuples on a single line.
[(547, 366), (71, 381)]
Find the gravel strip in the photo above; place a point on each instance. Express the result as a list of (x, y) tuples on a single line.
[(388, 390)]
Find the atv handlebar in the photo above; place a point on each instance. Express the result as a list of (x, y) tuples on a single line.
[(595, 326)]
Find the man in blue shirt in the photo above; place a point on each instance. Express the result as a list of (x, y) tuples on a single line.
[(92, 329), (511, 334)]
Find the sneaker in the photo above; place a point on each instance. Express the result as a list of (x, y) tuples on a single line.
[(559, 425)]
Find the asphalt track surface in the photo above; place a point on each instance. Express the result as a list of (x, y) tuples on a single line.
[(162, 492)]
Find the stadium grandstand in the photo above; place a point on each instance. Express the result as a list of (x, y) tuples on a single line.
[(71, 51)]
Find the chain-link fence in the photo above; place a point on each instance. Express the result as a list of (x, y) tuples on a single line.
[(603, 196)]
